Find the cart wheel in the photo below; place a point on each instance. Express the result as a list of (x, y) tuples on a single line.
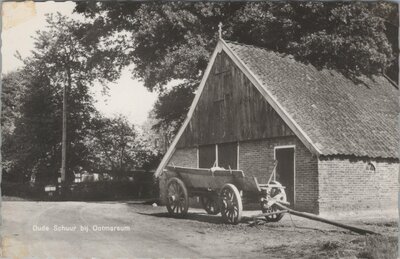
[(273, 217), (210, 204), (177, 197), (282, 197), (231, 204)]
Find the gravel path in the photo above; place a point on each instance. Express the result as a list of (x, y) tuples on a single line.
[(133, 230)]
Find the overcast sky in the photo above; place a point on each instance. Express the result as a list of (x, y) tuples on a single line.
[(127, 96)]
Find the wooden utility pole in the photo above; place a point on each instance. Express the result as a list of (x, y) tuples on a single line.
[(64, 135), (64, 124)]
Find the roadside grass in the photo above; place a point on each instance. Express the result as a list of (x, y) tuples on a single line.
[(12, 198), (366, 247), (382, 247)]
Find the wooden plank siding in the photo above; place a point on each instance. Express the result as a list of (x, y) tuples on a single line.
[(231, 109)]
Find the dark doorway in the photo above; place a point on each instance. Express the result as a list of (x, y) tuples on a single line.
[(285, 171)]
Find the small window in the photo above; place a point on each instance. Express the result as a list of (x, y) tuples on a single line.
[(370, 168), (227, 155)]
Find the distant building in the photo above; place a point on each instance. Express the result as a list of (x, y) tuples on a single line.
[(78, 177)]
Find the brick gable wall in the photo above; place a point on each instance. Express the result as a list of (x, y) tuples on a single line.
[(347, 186)]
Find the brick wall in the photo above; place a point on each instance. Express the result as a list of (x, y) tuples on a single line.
[(256, 158), (324, 185), (186, 157), (347, 186)]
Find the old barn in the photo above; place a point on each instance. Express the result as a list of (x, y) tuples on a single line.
[(336, 140)]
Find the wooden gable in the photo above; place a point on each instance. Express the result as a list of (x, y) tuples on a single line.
[(231, 109)]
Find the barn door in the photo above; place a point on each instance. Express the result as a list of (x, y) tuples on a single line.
[(285, 171)]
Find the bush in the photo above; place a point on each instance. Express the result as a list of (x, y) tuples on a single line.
[(111, 190), (23, 190), (96, 191)]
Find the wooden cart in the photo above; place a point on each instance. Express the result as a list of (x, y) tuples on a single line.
[(221, 191)]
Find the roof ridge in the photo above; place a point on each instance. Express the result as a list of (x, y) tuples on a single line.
[(292, 56), (275, 52), (249, 45), (390, 80)]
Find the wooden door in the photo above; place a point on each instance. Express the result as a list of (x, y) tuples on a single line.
[(285, 171)]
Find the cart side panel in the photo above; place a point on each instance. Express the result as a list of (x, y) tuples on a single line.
[(206, 182), (203, 178)]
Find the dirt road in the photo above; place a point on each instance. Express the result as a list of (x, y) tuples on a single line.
[(132, 230)]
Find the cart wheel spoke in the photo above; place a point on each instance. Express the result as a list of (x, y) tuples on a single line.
[(232, 216), (229, 216), (210, 204)]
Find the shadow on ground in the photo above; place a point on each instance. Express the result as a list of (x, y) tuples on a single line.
[(200, 217), (249, 221)]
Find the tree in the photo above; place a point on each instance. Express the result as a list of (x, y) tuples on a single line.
[(155, 139), (115, 146), (34, 145), (171, 108), (12, 91), (349, 37), (11, 97), (174, 40), (114, 143), (149, 153), (65, 56)]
